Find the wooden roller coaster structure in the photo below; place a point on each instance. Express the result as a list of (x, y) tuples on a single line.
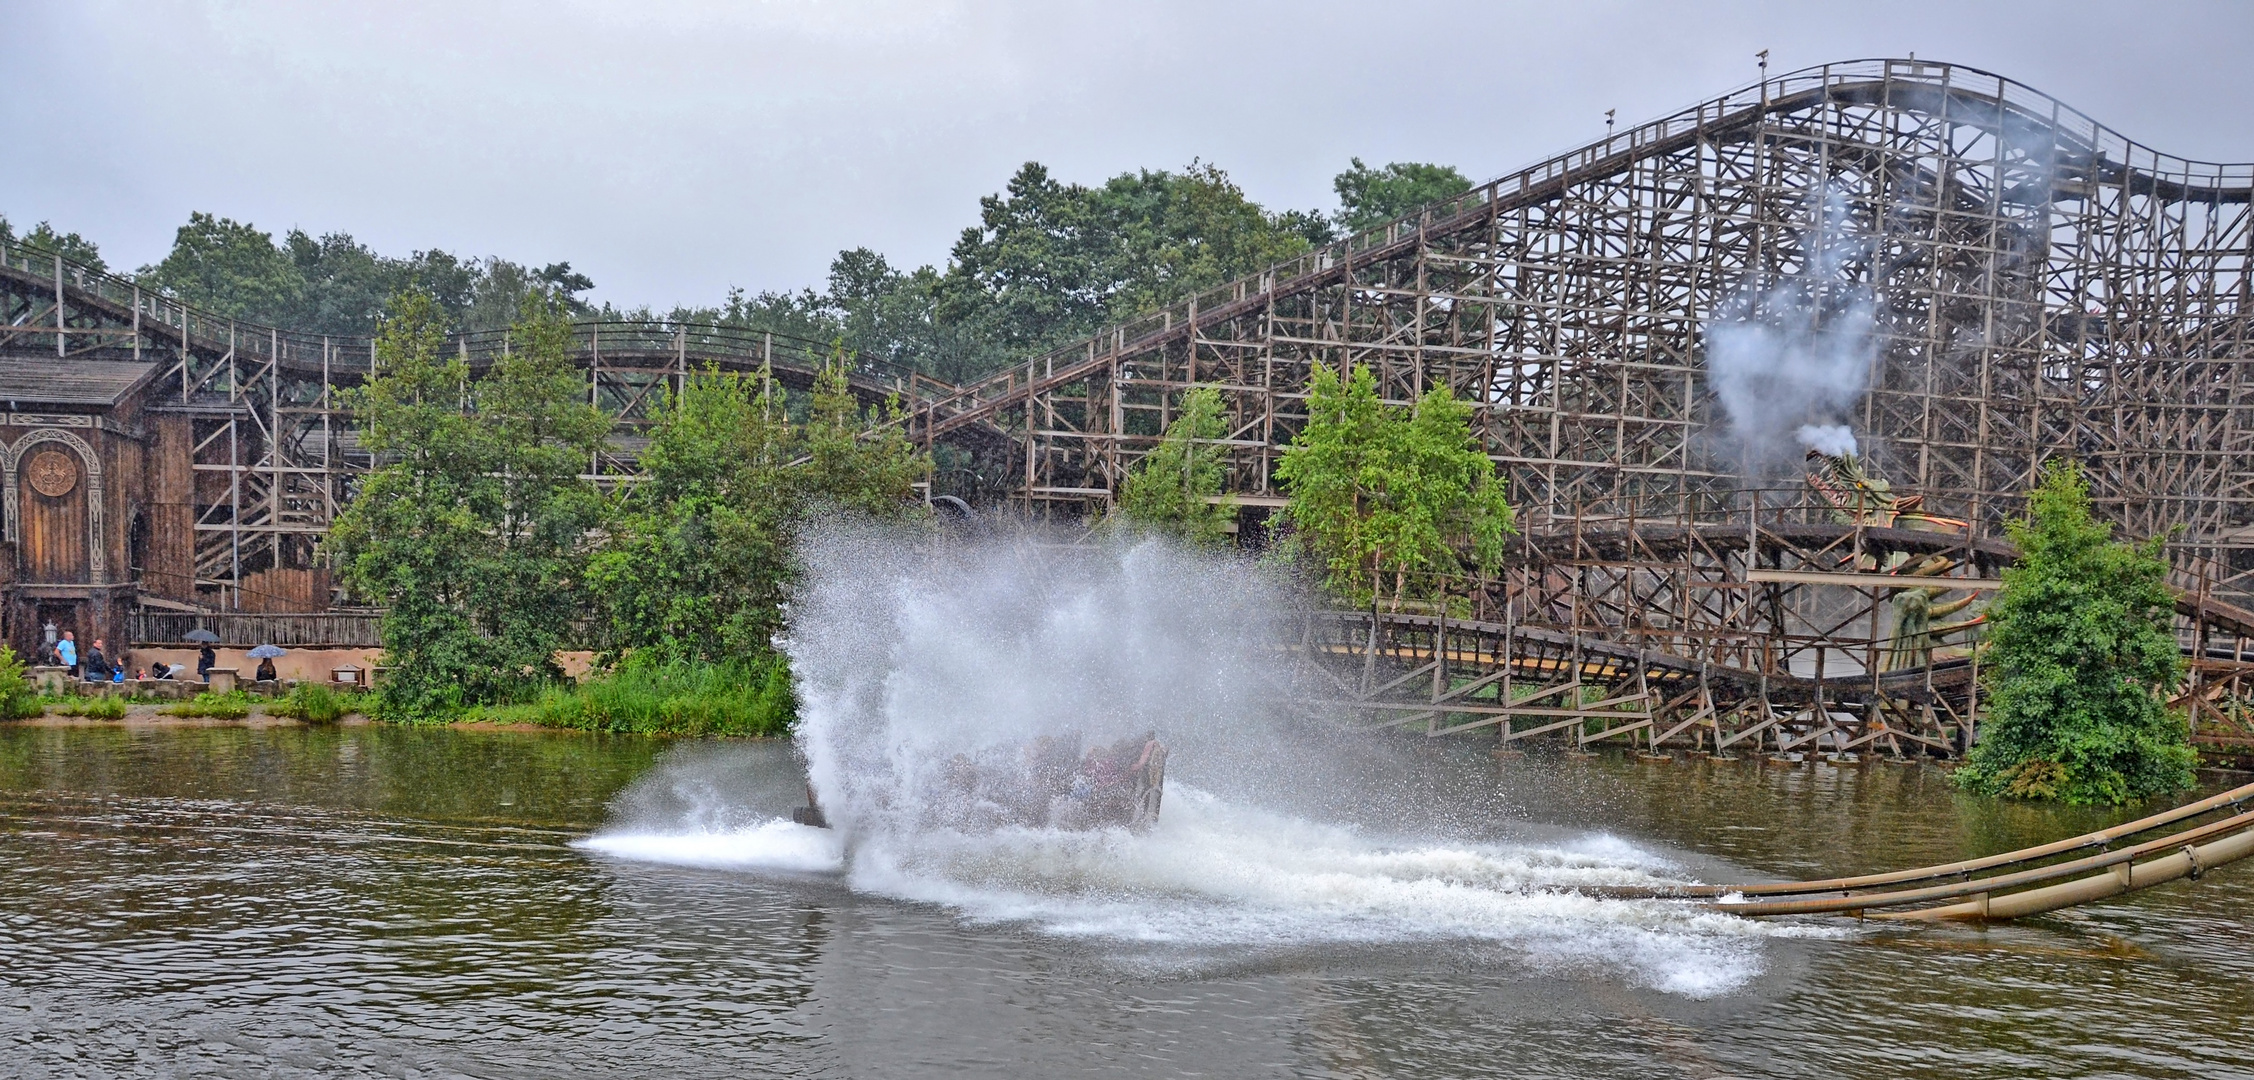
[(2035, 283)]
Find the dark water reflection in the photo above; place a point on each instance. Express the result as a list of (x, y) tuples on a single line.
[(387, 902)]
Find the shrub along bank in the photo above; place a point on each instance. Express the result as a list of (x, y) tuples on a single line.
[(651, 697)]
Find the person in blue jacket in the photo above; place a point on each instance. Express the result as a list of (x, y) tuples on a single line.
[(67, 651)]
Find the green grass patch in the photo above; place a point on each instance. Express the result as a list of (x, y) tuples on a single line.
[(101, 708), (313, 703), (233, 705), (734, 698)]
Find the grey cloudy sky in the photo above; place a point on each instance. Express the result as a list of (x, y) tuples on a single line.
[(673, 148)]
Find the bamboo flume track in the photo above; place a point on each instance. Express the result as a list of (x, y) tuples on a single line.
[(2006, 885)]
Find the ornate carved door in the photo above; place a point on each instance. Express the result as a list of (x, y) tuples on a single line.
[(52, 494)]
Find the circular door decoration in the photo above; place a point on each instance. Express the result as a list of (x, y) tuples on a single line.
[(51, 473)]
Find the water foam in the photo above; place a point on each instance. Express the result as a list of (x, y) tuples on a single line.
[(775, 844)]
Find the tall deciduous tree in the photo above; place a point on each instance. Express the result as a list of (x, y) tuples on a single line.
[(1391, 502), (335, 285), (472, 532), (2080, 660), (1049, 261), (695, 563), (69, 245), (1370, 197), (1178, 487), (228, 268)]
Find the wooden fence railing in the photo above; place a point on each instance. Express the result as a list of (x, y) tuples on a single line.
[(349, 629)]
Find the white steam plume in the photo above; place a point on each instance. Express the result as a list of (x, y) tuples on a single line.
[(1789, 356), (1833, 439)]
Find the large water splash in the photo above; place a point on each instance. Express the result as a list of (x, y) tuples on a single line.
[(914, 655), (915, 659)]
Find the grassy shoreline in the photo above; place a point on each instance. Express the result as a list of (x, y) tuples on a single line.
[(735, 700)]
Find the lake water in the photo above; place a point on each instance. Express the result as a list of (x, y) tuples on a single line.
[(374, 901)]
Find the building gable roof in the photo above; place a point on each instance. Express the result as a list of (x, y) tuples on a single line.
[(27, 381)]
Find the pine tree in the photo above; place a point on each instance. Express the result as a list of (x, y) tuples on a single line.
[(2081, 658)]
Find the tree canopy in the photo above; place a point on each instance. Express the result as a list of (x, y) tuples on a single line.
[(699, 556), (1050, 261), (333, 284), (1047, 261), (1370, 197), (1388, 500), (71, 246), (2080, 658)]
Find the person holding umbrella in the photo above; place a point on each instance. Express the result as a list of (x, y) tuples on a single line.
[(205, 658), (265, 655)]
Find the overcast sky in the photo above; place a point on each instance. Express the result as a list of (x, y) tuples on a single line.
[(673, 148)]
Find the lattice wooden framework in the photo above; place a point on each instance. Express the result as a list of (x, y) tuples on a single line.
[(272, 448), (2039, 285), (2044, 286)]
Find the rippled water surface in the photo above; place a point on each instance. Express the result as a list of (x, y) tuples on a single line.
[(388, 902)]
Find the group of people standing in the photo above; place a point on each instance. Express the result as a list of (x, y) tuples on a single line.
[(93, 665)]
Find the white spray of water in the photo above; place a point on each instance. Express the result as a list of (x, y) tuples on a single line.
[(1789, 356), (909, 654)]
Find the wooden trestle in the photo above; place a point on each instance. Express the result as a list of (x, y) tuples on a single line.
[(1759, 628)]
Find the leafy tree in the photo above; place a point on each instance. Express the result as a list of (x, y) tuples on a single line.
[(1050, 261), (344, 285), (335, 285), (894, 316), (1370, 197), (1380, 494), (471, 533), (1181, 232), (699, 557), (848, 467), (2081, 658), (694, 566), (1175, 488), (228, 268), (70, 246)]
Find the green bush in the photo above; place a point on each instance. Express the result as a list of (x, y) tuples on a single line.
[(233, 705), (17, 698), (681, 698), (312, 703), (101, 708)]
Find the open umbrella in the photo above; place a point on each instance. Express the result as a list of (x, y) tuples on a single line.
[(201, 635), (267, 652)]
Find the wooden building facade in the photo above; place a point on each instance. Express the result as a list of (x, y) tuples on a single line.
[(102, 497)]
